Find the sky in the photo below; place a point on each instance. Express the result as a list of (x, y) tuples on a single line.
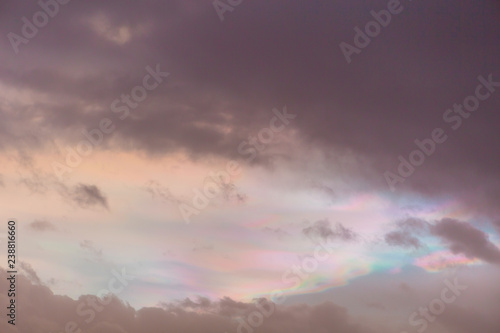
[(251, 166)]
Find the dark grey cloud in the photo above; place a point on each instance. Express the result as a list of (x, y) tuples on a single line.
[(462, 237), (459, 236), (415, 225), (87, 196), (323, 229), (230, 192), (45, 312), (402, 239), (226, 77), (202, 302), (407, 233), (41, 182)]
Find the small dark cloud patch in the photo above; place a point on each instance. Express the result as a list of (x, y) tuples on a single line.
[(42, 225), (402, 239), (407, 232), (85, 196), (280, 232), (324, 230)]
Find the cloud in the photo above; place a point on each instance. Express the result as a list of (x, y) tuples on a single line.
[(215, 99), (462, 237), (42, 225), (496, 224), (329, 317), (460, 319), (402, 239), (86, 196), (230, 191), (30, 272), (414, 225), (227, 77), (45, 312), (158, 191), (407, 230), (83, 195), (48, 312), (404, 287), (325, 190), (106, 328), (376, 305), (203, 303), (35, 182), (280, 232), (324, 230), (91, 249)]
